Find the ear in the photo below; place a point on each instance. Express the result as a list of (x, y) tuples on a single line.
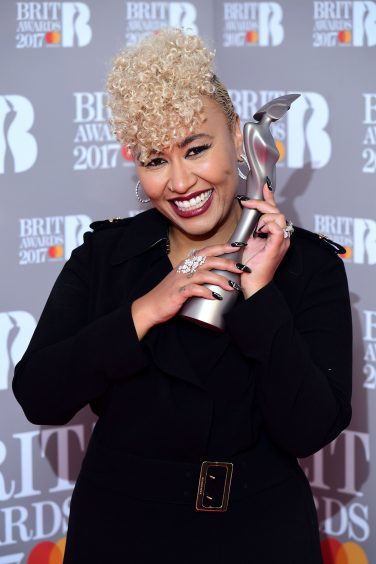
[(238, 137)]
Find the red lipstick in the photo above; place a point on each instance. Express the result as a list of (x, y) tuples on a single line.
[(181, 212)]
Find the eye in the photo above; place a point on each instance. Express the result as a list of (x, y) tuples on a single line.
[(194, 151), (158, 161)]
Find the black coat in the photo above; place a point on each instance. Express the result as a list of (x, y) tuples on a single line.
[(275, 386)]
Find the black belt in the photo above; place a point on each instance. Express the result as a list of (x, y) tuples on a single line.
[(208, 485)]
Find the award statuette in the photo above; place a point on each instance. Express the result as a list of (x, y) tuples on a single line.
[(262, 155)]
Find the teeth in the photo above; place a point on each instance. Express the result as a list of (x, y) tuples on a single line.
[(193, 203)]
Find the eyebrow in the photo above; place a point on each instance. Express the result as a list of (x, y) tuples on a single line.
[(183, 144), (191, 138)]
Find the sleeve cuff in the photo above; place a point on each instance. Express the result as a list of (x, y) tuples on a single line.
[(254, 323), (115, 348)]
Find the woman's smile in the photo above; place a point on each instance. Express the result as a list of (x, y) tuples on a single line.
[(192, 204)]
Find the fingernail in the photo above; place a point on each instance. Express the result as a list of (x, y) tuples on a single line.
[(217, 296), (234, 285), (243, 267), (241, 199), (260, 234), (238, 244), (269, 183)]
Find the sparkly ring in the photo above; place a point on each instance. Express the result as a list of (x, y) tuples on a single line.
[(288, 230), (191, 264)]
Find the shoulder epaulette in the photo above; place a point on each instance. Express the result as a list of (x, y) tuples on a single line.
[(114, 222), (332, 245)]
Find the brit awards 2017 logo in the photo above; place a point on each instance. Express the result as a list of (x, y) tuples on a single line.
[(369, 337), (252, 24), (369, 140), (18, 147), (16, 329), (143, 18), (344, 23), (44, 552), (356, 234), (339, 499), (50, 239), (300, 135), (95, 146), (52, 24), (35, 504)]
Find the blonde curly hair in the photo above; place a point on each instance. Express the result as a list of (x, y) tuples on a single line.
[(155, 91)]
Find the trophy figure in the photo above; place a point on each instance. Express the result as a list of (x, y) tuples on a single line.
[(262, 155)]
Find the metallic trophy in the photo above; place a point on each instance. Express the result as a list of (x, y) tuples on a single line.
[(262, 155)]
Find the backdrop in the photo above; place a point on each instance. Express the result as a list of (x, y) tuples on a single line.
[(60, 168)]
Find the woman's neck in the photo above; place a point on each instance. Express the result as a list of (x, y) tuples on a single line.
[(181, 244)]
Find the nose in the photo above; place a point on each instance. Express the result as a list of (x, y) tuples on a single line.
[(182, 178)]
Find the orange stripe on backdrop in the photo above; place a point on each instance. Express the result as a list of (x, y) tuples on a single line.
[(52, 37), (252, 37), (56, 251), (334, 552), (281, 149), (47, 552), (344, 36)]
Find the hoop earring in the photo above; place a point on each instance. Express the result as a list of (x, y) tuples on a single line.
[(244, 159), (142, 200)]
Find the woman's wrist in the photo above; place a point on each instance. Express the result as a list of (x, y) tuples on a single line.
[(251, 287), (141, 319)]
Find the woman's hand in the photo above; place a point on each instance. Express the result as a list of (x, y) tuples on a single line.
[(263, 255), (166, 299)]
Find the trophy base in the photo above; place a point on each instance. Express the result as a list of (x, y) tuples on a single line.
[(209, 313), (202, 323)]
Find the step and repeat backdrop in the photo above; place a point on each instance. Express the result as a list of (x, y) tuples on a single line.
[(60, 169)]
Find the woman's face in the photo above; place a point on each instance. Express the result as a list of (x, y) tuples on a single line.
[(194, 183)]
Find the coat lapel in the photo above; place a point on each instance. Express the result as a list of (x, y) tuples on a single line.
[(142, 252)]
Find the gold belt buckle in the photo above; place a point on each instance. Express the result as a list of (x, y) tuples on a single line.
[(214, 486)]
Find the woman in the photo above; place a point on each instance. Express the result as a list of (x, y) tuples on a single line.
[(170, 394)]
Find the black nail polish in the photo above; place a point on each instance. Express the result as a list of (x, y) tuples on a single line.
[(238, 244), (217, 296), (269, 183), (234, 285), (243, 267), (241, 199)]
